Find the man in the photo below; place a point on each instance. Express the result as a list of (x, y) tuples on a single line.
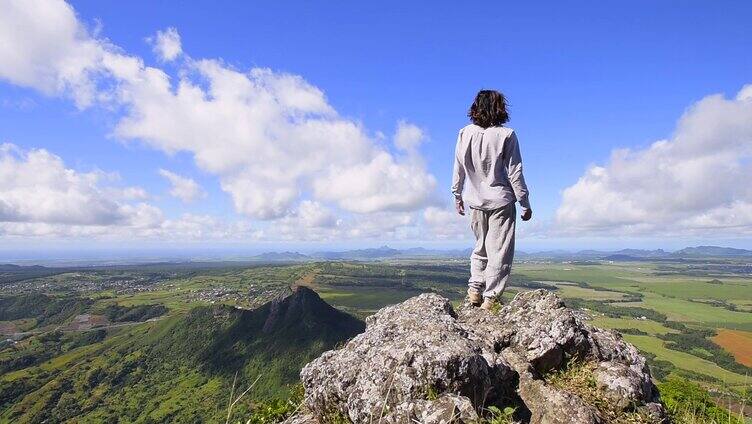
[(488, 164)]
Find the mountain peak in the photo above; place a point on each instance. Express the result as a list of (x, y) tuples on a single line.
[(304, 291), (305, 307)]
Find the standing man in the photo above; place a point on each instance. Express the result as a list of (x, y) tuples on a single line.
[(487, 162)]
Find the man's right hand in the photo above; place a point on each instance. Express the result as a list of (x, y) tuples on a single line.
[(460, 205), (527, 215)]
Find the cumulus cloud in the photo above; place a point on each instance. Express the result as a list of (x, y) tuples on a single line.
[(35, 186), (446, 224), (272, 138), (383, 225), (44, 46), (188, 227), (41, 197), (408, 136), (131, 193), (184, 188), (166, 44), (696, 182), (314, 214), (377, 185)]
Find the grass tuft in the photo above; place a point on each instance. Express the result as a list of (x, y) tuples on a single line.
[(430, 392), (578, 378)]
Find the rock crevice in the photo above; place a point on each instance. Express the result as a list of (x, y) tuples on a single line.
[(422, 361)]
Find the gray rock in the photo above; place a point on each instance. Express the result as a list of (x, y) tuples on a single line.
[(622, 384), (421, 361), (547, 404), (656, 412), (448, 408), (306, 418), (408, 351)]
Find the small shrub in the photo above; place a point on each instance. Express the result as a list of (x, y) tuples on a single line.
[(499, 416), (277, 410), (688, 403), (633, 331)]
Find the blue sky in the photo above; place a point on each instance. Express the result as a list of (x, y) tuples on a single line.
[(584, 79)]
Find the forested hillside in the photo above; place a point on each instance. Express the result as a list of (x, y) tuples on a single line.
[(179, 369)]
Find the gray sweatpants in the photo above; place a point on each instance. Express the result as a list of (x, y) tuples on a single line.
[(491, 260)]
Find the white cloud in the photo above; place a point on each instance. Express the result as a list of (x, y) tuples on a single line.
[(166, 44), (383, 225), (188, 227), (41, 197), (696, 182), (271, 138), (184, 188), (35, 186), (44, 46), (408, 136), (131, 193), (447, 224), (382, 184), (204, 227), (314, 214)]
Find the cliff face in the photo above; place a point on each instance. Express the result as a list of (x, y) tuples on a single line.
[(422, 361)]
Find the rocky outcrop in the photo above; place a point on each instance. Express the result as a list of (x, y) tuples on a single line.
[(422, 361)]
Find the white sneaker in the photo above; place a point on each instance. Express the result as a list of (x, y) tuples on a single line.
[(474, 297), (488, 303)]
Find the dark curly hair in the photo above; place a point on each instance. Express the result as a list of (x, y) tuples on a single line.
[(489, 109)]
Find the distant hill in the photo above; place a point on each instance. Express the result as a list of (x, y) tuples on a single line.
[(181, 369), (657, 253), (10, 273), (619, 257), (281, 257), (386, 252), (711, 251), (642, 254), (44, 309), (371, 253)]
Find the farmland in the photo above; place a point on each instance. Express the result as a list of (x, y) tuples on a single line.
[(739, 343)]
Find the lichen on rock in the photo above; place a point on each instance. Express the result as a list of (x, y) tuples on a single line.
[(420, 361)]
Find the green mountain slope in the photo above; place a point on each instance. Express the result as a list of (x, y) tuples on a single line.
[(179, 369), (45, 309)]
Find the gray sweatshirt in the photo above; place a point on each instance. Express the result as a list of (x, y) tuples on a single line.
[(489, 161)]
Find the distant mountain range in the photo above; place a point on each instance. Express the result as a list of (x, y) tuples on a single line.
[(383, 252), (386, 252), (9, 272)]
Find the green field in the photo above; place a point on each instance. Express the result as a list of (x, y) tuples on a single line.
[(650, 327), (688, 362)]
